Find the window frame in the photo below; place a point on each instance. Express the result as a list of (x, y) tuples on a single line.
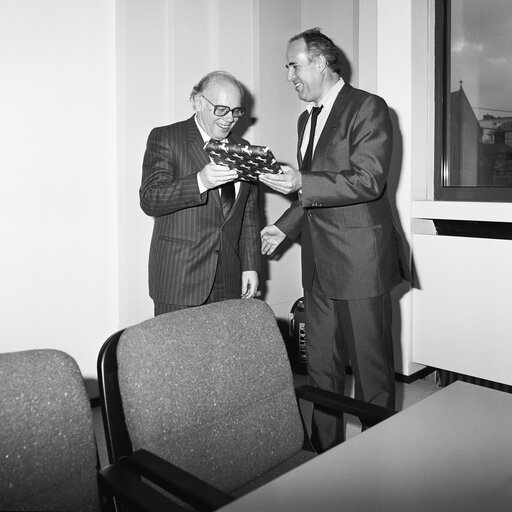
[(442, 86)]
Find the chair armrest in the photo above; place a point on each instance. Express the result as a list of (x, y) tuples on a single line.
[(371, 414), (175, 480), (128, 489)]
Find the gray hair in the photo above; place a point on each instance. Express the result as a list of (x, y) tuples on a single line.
[(215, 76)]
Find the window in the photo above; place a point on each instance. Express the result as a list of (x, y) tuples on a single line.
[(473, 100)]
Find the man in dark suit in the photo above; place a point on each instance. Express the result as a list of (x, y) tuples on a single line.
[(205, 245), (350, 248)]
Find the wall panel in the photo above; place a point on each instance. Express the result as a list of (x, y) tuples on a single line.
[(58, 263), (461, 306), (145, 98)]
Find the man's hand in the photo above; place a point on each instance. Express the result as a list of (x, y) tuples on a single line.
[(271, 237), (213, 175), (249, 283), (286, 183)]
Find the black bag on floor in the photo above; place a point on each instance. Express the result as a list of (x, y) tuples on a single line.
[(296, 343)]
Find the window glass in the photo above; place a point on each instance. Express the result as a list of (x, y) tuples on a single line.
[(475, 91)]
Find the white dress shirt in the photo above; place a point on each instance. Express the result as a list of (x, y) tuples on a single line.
[(327, 101)]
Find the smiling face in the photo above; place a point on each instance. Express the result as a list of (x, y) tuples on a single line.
[(305, 75), (219, 92)]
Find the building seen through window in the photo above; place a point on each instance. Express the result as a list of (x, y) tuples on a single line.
[(480, 149)]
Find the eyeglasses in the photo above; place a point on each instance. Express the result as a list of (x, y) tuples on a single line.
[(223, 110)]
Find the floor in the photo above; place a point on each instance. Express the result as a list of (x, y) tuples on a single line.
[(406, 395)]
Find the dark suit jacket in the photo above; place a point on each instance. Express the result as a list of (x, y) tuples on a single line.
[(190, 232), (343, 211)]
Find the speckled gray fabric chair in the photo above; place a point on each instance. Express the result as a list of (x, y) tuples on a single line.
[(208, 389), (47, 445), (48, 449)]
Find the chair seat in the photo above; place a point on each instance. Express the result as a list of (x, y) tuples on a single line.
[(294, 461)]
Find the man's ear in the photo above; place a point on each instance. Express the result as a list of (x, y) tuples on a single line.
[(321, 63), (196, 105)]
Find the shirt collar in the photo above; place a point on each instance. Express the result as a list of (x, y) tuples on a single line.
[(328, 99), (204, 135)]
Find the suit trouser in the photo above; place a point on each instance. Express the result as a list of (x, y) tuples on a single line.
[(343, 331)]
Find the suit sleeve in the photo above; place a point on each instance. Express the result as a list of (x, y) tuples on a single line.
[(356, 165), (250, 233), (163, 189), (292, 220)]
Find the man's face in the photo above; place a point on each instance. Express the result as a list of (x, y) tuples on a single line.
[(305, 75), (219, 93)]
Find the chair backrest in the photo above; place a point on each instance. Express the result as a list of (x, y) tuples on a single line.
[(210, 389), (116, 433), (47, 444)]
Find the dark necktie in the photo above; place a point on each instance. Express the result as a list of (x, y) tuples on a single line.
[(227, 194), (306, 161), (227, 197)]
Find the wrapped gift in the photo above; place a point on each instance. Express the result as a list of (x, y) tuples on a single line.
[(248, 160)]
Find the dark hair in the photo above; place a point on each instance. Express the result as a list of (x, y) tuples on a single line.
[(214, 76), (319, 44)]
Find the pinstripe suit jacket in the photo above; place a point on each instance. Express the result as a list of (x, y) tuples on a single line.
[(343, 213), (190, 232)]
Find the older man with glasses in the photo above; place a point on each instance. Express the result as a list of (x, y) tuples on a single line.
[(205, 244)]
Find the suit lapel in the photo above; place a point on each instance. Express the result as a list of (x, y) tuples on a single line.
[(303, 120), (195, 144), (199, 156), (333, 121)]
